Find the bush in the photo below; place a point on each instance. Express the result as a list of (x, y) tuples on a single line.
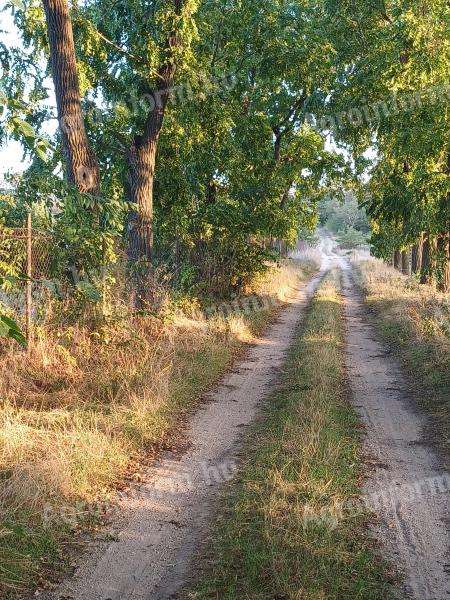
[(351, 238)]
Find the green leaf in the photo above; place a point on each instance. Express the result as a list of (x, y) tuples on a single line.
[(9, 328), (89, 291), (24, 128), (41, 149), (18, 4), (4, 328)]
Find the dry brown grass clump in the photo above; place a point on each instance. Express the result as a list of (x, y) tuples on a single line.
[(424, 310)]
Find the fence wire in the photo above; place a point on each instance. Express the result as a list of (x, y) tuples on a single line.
[(25, 261)]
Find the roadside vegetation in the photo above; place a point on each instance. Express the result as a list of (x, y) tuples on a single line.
[(346, 220), (415, 320), (78, 414), (286, 527)]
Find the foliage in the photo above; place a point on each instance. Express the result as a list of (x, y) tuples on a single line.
[(8, 327), (236, 161), (393, 103), (351, 238), (242, 155), (339, 216)]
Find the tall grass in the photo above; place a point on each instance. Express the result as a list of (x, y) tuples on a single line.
[(84, 403)]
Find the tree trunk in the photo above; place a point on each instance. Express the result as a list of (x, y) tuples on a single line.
[(81, 164), (397, 259), (277, 144), (142, 156), (417, 252), (427, 272), (141, 165), (405, 262), (445, 238), (211, 192), (446, 276), (444, 246)]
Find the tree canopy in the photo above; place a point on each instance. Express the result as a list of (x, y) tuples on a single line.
[(209, 123)]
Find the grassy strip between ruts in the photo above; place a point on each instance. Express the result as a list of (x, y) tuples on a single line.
[(415, 321), (285, 528), (84, 406)]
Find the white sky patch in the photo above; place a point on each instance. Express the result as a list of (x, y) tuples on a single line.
[(12, 153)]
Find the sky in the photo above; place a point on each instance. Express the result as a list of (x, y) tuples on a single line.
[(11, 154)]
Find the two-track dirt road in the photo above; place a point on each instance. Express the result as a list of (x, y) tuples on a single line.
[(148, 550), (162, 522)]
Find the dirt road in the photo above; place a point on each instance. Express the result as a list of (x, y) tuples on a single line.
[(152, 544), (147, 553), (407, 485)]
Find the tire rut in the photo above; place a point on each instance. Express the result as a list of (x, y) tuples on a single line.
[(148, 554), (407, 486)]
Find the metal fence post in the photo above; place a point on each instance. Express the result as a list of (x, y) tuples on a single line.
[(29, 283)]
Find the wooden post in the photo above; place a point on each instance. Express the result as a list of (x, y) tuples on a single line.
[(29, 283)]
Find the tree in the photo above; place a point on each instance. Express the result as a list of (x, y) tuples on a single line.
[(393, 62), (142, 152), (197, 112), (81, 165)]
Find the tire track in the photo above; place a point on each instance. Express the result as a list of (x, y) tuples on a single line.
[(408, 487), (150, 555)]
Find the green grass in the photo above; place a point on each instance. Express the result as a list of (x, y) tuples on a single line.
[(285, 528)]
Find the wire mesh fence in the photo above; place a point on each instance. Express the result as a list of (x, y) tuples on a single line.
[(25, 259), (36, 291)]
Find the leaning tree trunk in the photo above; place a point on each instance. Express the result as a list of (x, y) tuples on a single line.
[(81, 165), (142, 156)]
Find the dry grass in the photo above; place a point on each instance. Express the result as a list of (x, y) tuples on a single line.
[(83, 404), (285, 529), (415, 320)]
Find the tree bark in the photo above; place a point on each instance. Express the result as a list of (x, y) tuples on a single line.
[(211, 192), (397, 259), (142, 155), (446, 276), (417, 252), (405, 262), (444, 247), (277, 145), (81, 165), (427, 274), (141, 165)]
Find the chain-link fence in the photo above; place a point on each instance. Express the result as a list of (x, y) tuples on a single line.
[(25, 257)]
